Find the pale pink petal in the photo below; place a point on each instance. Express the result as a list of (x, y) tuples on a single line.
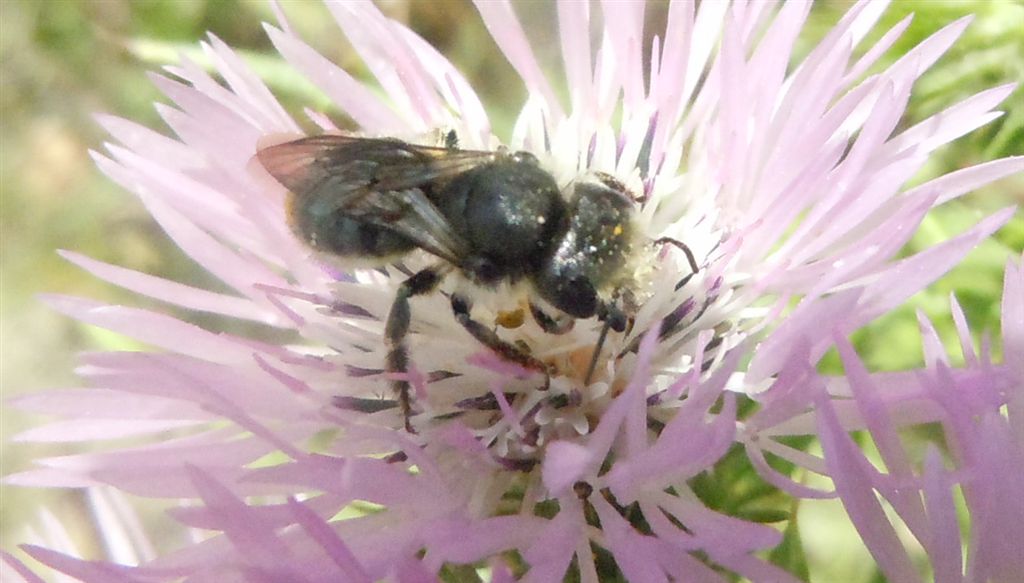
[(360, 479), (574, 31), (457, 91), (501, 22), (85, 571), (722, 537), (898, 282), (465, 541), (120, 527), (964, 332), (351, 96), (555, 545), (248, 86), (944, 546), (854, 484), (257, 543), (626, 44), (877, 50), (884, 435), (172, 291), (962, 181), (333, 546), (822, 315), (392, 62), (139, 138), (997, 507), (634, 553), (934, 351), (918, 59), (204, 206), (951, 123), (780, 480), (564, 464), (15, 571), (87, 430), (235, 269), (1013, 317), (106, 404), (149, 327), (206, 124)]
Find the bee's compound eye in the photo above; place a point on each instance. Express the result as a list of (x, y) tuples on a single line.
[(575, 296)]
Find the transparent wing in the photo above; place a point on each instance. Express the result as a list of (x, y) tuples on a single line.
[(354, 164), (380, 181)]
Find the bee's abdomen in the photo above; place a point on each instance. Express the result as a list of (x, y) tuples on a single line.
[(337, 233)]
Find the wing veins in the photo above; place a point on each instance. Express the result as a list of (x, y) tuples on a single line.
[(381, 181)]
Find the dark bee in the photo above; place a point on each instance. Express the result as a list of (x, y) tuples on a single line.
[(494, 217)]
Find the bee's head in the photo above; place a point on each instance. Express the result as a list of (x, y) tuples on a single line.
[(593, 255)]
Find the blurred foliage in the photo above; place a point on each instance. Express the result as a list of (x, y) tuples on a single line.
[(63, 60)]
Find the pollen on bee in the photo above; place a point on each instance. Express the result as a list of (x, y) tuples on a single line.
[(510, 319), (617, 230)]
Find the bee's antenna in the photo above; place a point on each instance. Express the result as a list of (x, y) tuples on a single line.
[(597, 352), (682, 247), (613, 318)]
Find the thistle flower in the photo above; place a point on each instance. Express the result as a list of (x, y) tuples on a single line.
[(985, 448), (786, 183)]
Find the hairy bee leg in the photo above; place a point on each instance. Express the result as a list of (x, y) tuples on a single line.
[(397, 327), (550, 324), (461, 307), (681, 246)]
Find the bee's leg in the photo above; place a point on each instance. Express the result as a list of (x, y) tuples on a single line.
[(681, 246), (461, 307), (397, 327), (551, 324)]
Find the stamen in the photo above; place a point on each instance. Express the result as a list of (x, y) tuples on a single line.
[(363, 405)]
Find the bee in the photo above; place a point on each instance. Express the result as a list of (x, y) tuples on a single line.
[(492, 216)]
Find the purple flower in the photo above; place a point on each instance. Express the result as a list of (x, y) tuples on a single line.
[(979, 409), (785, 181)]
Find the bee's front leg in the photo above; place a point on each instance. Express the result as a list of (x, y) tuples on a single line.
[(461, 307), (556, 325), (397, 328)]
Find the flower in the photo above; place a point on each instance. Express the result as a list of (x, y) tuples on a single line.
[(985, 447), (785, 184)]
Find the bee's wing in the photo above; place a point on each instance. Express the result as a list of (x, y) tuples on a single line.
[(411, 214), (381, 181)]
